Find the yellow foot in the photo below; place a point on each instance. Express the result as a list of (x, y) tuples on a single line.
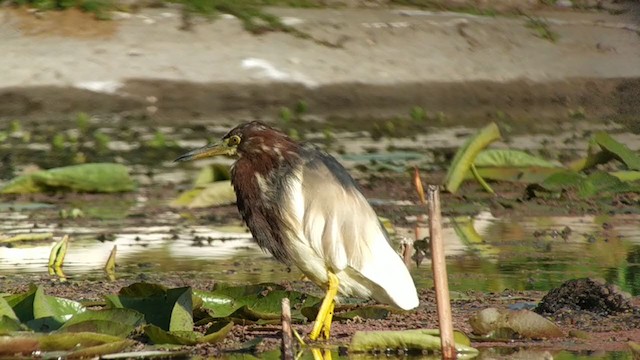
[(325, 314)]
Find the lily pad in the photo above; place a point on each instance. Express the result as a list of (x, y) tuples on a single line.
[(98, 177), (68, 341), (169, 309), (412, 340), (116, 322), (160, 336), (98, 350), (35, 309)]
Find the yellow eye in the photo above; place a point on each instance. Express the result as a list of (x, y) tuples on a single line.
[(233, 140)]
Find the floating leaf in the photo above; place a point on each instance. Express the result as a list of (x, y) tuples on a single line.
[(169, 309), (96, 351), (25, 237), (6, 310), (47, 311), (627, 176), (68, 341), (116, 322), (497, 323), (618, 150), (510, 158), (99, 177), (466, 155), (9, 325), (601, 183), (412, 340), (269, 306), (161, 336), (217, 332), (225, 300)]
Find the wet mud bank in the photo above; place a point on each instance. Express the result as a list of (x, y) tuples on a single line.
[(524, 104)]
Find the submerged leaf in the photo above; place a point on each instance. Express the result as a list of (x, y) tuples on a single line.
[(465, 156), (98, 177)]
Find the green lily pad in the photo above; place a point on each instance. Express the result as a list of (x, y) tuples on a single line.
[(214, 334), (169, 309), (225, 300), (161, 336), (6, 310), (413, 340), (68, 341), (9, 325), (103, 349), (116, 322), (42, 312), (98, 177)]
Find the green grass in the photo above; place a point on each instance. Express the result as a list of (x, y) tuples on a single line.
[(100, 8), (542, 29)]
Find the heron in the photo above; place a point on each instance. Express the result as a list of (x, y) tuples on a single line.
[(302, 206)]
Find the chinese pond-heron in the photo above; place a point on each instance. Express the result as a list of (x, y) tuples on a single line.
[(305, 209)]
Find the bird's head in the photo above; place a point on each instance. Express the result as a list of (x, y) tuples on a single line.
[(244, 140)]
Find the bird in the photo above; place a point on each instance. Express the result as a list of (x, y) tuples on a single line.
[(302, 206)]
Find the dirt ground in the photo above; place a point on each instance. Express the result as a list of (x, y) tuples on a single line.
[(387, 59)]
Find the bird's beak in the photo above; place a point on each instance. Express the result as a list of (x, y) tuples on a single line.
[(206, 151)]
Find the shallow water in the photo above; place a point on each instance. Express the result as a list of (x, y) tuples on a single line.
[(483, 253)]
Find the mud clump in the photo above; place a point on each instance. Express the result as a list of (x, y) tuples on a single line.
[(586, 295)]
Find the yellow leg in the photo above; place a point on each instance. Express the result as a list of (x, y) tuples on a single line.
[(326, 310), (327, 321)]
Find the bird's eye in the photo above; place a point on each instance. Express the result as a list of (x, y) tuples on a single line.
[(233, 140)]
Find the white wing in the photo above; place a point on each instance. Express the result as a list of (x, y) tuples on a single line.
[(342, 228)]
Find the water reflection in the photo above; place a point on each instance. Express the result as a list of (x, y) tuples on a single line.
[(484, 253)]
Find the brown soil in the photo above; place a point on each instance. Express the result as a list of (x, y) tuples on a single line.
[(71, 23)]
